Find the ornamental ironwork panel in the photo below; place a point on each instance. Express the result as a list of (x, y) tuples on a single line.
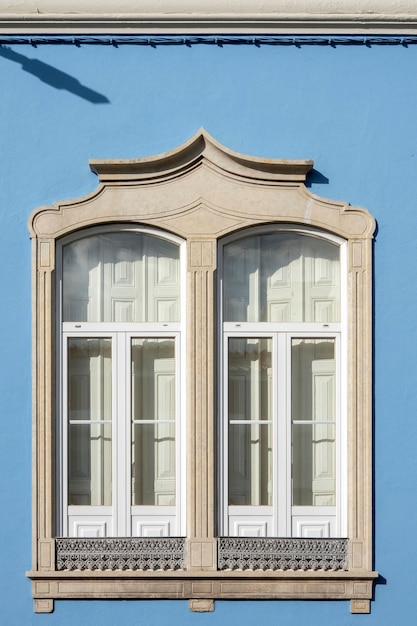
[(258, 553), (159, 553)]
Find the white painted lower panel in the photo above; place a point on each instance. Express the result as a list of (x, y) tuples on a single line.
[(309, 522), (157, 521), (250, 521), (90, 522)]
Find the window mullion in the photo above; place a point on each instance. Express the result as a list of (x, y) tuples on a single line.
[(283, 444), (224, 497), (121, 411), (63, 452), (341, 438), (180, 450)]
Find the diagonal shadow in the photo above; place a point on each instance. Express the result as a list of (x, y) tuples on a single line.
[(316, 177), (53, 77)]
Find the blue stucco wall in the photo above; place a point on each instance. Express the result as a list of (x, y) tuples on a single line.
[(350, 108)]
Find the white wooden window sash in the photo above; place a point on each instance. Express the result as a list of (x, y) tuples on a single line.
[(118, 518), (281, 517), (121, 517)]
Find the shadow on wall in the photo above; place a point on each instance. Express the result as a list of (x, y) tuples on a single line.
[(53, 77), (316, 177)]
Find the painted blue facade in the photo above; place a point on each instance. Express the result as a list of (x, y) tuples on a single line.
[(351, 108)]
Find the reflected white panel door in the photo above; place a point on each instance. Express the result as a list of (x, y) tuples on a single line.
[(158, 440), (249, 437), (153, 437), (89, 424), (122, 279), (321, 282), (302, 280), (162, 280), (314, 510), (283, 270), (242, 270), (82, 273), (324, 470), (239, 435), (140, 279), (281, 277)]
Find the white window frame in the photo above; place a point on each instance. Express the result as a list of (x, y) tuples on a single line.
[(279, 514), (281, 334), (120, 513)]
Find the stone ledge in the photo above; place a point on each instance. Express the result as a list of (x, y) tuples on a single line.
[(366, 8), (215, 16), (198, 585)]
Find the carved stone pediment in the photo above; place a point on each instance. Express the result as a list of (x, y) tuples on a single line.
[(201, 189)]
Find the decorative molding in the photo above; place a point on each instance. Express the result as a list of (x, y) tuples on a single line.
[(254, 553), (332, 40), (188, 156), (154, 554), (204, 586), (219, 16), (360, 606), (213, 190), (207, 7), (201, 606), (44, 606)]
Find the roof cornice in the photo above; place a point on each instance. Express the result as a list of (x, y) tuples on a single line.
[(208, 16)]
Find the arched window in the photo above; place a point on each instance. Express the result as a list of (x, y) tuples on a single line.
[(278, 471), (120, 340), (283, 424)]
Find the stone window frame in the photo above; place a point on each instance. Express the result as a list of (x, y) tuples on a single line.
[(202, 192)]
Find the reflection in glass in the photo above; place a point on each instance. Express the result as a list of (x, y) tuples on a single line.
[(121, 277), (281, 277), (153, 421), (89, 421), (250, 415), (313, 402)]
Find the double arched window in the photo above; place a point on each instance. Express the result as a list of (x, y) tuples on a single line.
[(202, 385), (122, 451)]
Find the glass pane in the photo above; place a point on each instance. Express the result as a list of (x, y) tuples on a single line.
[(153, 421), (121, 277), (281, 277), (313, 405), (89, 415), (250, 400)]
